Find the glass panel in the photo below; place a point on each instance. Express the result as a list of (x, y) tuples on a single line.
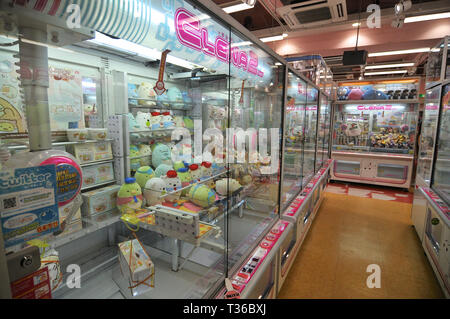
[(188, 247), (294, 137), (256, 104), (385, 128), (310, 134), (433, 67), (347, 167), (428, 134), (321, 131), (327, 124), (351, 128), (441, 174), (392, 171)]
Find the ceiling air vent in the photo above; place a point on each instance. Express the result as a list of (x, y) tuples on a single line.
[(313, 13)]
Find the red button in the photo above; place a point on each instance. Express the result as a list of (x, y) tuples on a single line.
[(242, 275)]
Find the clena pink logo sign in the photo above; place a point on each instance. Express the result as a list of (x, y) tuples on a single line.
[(375, 107), (191, 34)]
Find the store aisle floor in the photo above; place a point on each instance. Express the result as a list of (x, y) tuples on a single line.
[(350, 233)]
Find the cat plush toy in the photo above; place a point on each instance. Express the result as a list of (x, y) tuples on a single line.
[(143, 120)]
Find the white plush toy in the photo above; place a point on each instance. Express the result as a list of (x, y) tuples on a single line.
[(225, 184), (143, 120), (156, 121), (173, 183), (154, 188), (217, 114), (145, 91), (167, 120)]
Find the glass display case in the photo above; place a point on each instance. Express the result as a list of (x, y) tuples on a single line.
[(440, 182), (428, 134), (374, 140), (294, 138), (438, 66), (183, 178)]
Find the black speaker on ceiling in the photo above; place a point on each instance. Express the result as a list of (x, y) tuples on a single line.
[(354, 57)]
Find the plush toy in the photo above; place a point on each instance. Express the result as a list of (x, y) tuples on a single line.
[(173, 183), (167, 120), (355, 94), (206, 170), (202, 195), (353, 130), (145, 149), (155, 121), (217, 115), (225, 184), (132, 124), (129, 197), (162, 170), (161, 154), (143, 120), (185, 178), (143, 174), (89, 109), (372, 94), (154, 188), (134, 152), (180, 164), (145, 91), (188, 122), (178, 120), (195, 173), (132, 91)]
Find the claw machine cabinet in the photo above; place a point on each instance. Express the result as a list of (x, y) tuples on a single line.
[(253, 152), (425, 156), (374, 132), (436, 239)]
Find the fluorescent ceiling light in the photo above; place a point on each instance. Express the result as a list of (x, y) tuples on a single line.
[(386, 72), (356, 24), (240, 44), (385, 66), (134, 49), (278, 63), (237, 7), (419, 50), (45, 45), (274, 38), (427, 17)]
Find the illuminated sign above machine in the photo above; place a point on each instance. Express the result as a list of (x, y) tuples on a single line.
[(191, 34)]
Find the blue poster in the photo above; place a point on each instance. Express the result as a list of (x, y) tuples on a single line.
[(28, 206)]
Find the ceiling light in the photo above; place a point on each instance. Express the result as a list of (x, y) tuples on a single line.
[(237, 7), (385, 72), (134, 49), (273, 38), (427, 17), (284, 35), (356, 24), (278, 63), (241, 44), (418, 50), (402, 6), (385, 66)]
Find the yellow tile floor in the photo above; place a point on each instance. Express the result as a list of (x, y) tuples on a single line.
[(348, 234)]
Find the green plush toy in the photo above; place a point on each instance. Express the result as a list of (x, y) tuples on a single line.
[(202, 195), (162, 170), (185, 178), (180, 164), (188, 123), (129, 197), (143, 174), (161, 155), (134, 163)]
